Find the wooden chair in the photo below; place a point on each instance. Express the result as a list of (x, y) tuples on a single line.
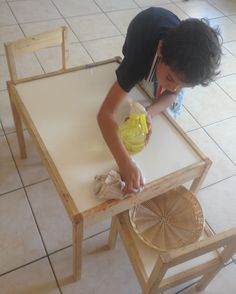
[(158, 271), (14, 50)]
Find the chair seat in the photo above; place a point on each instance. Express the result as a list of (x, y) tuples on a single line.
[(158, 271), (169, 221), (148, 255)]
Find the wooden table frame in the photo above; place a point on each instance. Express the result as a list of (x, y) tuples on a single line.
[(195, 172)]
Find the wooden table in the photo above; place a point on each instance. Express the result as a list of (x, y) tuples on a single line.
[(59, 111)]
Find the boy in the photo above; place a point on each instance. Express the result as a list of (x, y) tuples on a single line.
[(168, 53)]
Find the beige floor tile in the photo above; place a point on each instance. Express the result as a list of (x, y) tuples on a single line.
[(31, 168), (143, 3), (105, 48), (228, 64), (122, 18), (20, 240), (219, 204), (209, 104), (75, 7), (34, 28), (227, 6), (6, 16), (53, 221), (199, 9), (92, 27), (227, 28), (4, 74), (8, 34), (5, 112), (31, 10), (186, 121), (228, 84), (221, 167), (109, 5), (35, 278), (97, 228), (175, 9), (104, 271), (231, 47), (52, 218), (9, 178), (26, 65), (225, 136), (233, 17), (51, 58)]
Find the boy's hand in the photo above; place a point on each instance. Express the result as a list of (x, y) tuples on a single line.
[(132, 177)]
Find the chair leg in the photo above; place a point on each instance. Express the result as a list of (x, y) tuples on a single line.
[(205, 280), (19, 131), (113, 233), (225, 255)]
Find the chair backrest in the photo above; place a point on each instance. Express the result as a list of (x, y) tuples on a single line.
[(224, 245), (159, 271), (34, 43)]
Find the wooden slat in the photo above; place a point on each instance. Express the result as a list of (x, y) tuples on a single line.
[(196, 249), (39, 41), (160, 186), (189, 274)]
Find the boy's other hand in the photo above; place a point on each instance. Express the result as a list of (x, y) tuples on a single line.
[(149, 125), (132, 177)]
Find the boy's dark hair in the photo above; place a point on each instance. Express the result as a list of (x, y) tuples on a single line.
[(193, 51)]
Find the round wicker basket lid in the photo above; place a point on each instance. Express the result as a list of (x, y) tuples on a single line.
[(169, 221)]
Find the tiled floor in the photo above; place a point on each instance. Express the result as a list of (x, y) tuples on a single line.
[(35, 236)]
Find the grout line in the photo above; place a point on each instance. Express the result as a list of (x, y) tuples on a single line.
[(68, 25), (33, 215), (11, 191), (225, 92), (123, 34), (20, 27), (219, 147), (217, 182), (24, 265), (185, 288), (85, 239)]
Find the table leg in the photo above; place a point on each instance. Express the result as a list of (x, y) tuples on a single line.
[(18, 127), (196, 184), (77, 249), (113, 233)]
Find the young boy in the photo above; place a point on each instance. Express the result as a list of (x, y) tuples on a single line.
[(168, 53)]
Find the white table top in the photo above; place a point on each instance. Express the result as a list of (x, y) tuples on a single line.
[(63, 109)]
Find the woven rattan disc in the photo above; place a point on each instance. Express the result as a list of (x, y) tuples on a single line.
[(169, 221)]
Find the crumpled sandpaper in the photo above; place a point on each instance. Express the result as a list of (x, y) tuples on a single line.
[(109, 186)]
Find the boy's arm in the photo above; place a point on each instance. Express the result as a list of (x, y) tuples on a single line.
[(128, 170), (166, 99), (162, 103)]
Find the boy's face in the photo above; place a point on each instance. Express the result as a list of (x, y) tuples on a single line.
[(169, 80)]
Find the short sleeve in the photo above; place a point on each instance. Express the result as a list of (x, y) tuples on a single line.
[(128, 73), (132, 67)]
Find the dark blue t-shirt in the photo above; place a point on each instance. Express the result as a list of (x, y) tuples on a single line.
[(143, 35)]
